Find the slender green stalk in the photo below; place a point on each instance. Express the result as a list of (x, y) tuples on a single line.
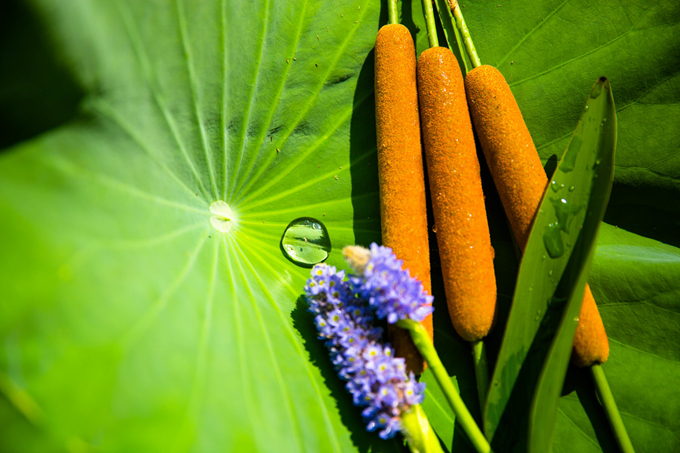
[(459, 43), (429, 21), (467, 38), (481, 371), (21, 400), (422, 341), (392, 11), (610, 408), (418, 432)]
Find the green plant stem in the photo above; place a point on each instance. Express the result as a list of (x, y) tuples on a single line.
[(22, 401), (429, 21), (467, 38), (418, 432), (607, 399), (392, 11), (422, 341), (481, 371), (459, 43)]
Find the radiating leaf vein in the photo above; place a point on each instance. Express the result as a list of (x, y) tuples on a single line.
[(285, 391), (192, 87), (107, 112), (146, 320), (285, 322), (304, 111), (246, 117), (132, 32), (275, 100)]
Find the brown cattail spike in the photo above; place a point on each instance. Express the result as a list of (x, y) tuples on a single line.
[(403, 211), (456, 193), (591, 344), (521, 181)]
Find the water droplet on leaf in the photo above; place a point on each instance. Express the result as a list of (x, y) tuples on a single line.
[(306, 241), (553, 241), (569, 158), (555, 187)]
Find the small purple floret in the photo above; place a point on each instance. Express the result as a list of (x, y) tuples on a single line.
[(390, 290), (376, 378)]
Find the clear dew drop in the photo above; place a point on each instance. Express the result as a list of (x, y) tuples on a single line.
[(576, 319), (555, 186), (563, 211), (306, 242), (569, 159), (552, 240), (572, 188), (222, 216)]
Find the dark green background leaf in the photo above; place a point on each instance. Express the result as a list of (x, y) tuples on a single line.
[(134, 326)]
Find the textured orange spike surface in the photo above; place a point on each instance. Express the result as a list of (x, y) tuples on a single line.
[(591, 344), (403, 212), (521, 181), (456, 193)]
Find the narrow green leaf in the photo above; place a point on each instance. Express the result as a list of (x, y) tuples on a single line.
[(575, 194), (452, 34), (546, 397), (438, 411)]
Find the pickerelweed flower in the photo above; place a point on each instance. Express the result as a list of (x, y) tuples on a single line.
[(387, 287), (376, 378)]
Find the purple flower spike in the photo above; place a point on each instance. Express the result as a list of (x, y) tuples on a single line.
[(376, 378), (389, 289)]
